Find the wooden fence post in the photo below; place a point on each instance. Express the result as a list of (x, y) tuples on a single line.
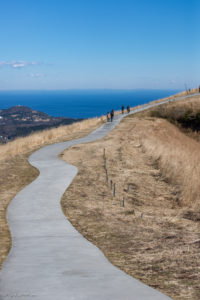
[(111, 184), (114, 190), (123, 201), (104, 162), (106, 175)]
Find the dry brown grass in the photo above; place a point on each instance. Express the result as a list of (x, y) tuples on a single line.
[(181, 94), (15, 174), (176, 110), (176, 154), (39, 139), (149, 238)]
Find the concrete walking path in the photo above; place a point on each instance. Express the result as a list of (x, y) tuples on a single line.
[(49, 259)]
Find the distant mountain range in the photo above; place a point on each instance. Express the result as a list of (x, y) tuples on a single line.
[(22, 120)]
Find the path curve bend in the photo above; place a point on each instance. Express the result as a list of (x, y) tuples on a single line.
[(49, 258)]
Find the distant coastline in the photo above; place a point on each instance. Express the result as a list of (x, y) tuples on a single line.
[(21, 120)]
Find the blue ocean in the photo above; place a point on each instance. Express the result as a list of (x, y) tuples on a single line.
[(80, 103)]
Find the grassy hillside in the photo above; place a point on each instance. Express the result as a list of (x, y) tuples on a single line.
[(178, 155), (36, 140), (185, 114), (155, 236)]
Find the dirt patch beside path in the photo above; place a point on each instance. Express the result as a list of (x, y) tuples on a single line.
[(148, 238), (15, 174)]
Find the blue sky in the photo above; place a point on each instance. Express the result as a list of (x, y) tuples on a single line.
[(93, 44)]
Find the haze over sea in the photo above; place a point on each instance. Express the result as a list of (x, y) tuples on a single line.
[(80, 103)]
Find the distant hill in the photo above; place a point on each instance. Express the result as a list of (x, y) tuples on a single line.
[(22, 120)]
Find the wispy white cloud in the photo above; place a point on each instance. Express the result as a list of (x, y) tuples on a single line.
[(37, 75), (172, 82), (19, 64)]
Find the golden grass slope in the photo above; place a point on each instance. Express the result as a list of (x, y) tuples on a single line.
[(42, 138), (177, 109), (150, 238), (173, 97), (178, 156), (15, 174), (176, 153)]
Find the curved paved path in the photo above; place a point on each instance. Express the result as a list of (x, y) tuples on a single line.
[(49, 259)]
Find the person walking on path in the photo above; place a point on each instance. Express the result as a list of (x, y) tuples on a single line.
[(128, 109), (112, 115), (108, 117), (122, 109)]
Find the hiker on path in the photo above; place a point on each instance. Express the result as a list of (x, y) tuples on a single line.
[(112, 115), (122, 109), (128, 109), (108, 117)]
